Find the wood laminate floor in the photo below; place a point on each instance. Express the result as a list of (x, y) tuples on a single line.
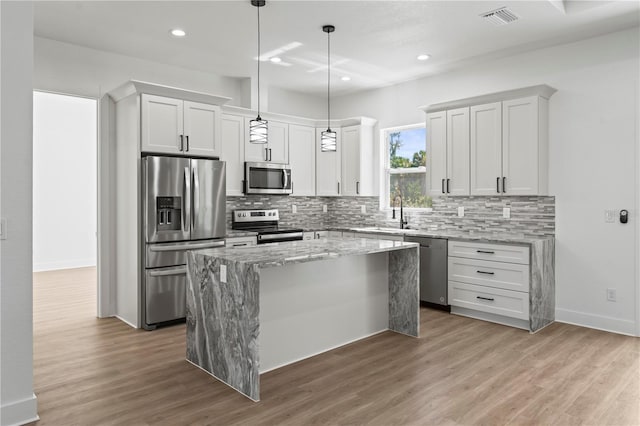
[(90, 371)]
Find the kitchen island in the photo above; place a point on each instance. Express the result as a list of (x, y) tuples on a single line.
[(254, 309)]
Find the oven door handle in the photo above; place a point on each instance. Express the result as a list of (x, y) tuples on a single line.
[(294, 236)]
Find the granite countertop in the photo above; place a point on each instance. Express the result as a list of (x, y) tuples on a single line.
[(493, 237), (278, 254), (232, 233)]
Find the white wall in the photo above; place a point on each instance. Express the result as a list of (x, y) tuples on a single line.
[(289, 102), (69, 68), (18, 404), (593, 134), (64, 181)]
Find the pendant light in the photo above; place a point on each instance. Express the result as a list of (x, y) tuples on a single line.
[(328, 137), (258, 130)]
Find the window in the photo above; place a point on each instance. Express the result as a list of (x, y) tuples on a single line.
[(405, 167)]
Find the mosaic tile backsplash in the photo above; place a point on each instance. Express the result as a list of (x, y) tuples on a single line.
[(530, 216)]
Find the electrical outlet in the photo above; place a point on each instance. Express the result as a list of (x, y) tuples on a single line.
[(223, 273), (611, 294), (363, 209), (506, 212), (324, 208), (610, 216), (461, 211), (294, 209), (3, 229)]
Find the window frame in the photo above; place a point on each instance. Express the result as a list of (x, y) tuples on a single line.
[(387, 171)]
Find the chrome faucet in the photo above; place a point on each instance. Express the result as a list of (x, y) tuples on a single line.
[(393, 215)]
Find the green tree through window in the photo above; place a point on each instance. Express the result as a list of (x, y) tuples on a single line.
[(406, 170)]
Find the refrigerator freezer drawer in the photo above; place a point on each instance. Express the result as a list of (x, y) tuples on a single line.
[(165, 294), (171, 254)]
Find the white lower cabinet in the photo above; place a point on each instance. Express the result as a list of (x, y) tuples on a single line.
[(490, 282), (241, 241)]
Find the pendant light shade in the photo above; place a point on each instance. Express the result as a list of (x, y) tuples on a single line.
[(328, 139), (258, 128)]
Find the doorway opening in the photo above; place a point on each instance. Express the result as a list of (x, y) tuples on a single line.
[(65, 131)]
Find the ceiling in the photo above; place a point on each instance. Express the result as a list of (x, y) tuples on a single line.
[(375, 42)]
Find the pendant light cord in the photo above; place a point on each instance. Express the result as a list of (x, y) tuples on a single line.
[(258, 61), (328, 80)]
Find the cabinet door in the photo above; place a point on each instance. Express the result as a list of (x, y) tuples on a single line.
[(486, 149), (257, 152), (278, 142), (436, 152), (302, 158), (202, 129), (328, 167), (458, 151), (161, 124), (520, 157), (232, 133), (350, 166)]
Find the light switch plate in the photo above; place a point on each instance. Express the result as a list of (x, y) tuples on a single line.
[(3, 228), (223, 273), (324, 208), (461, 211), (294, 209), (363, 209), (506, 212), (610, 216)]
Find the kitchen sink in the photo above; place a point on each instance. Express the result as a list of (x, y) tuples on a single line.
[(386, 230)]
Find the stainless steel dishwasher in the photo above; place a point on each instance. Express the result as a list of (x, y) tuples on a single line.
[(433, 270)]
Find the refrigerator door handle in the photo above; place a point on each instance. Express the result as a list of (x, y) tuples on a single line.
[(196, 195), (186, 201), (176, 271)]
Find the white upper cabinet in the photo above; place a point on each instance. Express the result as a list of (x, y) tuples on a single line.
[(486, 149), (232, 130), (357, 164), (276, 149), (174, 126), (448, 152), (302, 159), (496, 142), (328, 167), (524, 146), (162, 124), (202, 129)]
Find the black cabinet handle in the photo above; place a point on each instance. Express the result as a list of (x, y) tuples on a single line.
[(266, 154), (485, 298), (486, 252), (358, 188), (448, 186), (504, 185), (498, 184), (187, 137), (443, 186), (486, 273), (270, 158), (338, 187), (181, 142)]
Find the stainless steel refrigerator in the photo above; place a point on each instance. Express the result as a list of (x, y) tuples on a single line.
[(183, 207)]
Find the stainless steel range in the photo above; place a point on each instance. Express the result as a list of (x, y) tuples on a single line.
[(265, 223)]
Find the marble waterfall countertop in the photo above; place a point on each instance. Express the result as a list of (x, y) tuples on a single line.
[(279, 254)]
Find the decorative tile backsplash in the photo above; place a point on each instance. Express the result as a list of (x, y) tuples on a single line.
[(530, 216)]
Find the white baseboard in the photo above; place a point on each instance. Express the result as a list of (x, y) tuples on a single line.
[(19, 412), (599, 322), (63, 264)]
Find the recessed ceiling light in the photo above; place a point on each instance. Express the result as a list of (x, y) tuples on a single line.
[(423, 57), (345, 78), (178, 33), (275, 60)]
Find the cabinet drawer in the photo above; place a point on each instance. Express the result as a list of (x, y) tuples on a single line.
[(509, 303), (509, 276), (241, 241), (488, 251)]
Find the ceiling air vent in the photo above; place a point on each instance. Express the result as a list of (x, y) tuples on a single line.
[(502, 16)]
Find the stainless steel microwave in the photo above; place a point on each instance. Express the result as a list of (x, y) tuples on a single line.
[(267, 178)]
